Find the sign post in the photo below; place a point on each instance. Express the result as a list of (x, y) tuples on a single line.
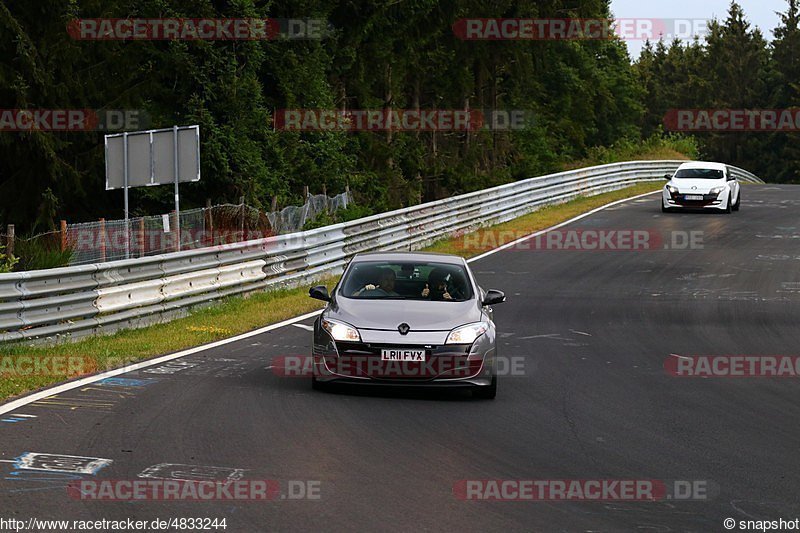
[(152, 157)]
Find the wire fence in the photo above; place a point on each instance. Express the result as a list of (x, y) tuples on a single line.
[(110, 240)]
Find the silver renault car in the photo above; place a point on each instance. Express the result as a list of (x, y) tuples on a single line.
[(407, 319)]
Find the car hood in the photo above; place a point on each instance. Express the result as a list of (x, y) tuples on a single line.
[(685, 185), (419, 315)]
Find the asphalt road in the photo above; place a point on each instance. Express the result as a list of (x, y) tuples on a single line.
[(589, 332)]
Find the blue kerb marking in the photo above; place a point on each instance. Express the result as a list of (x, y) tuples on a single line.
[(12, 420), (126, 382)]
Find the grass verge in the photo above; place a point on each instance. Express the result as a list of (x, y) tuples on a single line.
[(485, 239), (235, 315)]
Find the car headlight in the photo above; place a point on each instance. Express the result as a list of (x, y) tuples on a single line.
[(468, 333), (717, 190), (672, 190), (340, 331)]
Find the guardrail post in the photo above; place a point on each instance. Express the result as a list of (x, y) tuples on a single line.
[(102, 240), (10, 240), (63, 235)]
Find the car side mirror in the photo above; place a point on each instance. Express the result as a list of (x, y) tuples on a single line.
[(731, 178), (494, 297), (667, 177), (320, 292)]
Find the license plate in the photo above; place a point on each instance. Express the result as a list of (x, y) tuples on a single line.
[(401, 354), (694, 196)]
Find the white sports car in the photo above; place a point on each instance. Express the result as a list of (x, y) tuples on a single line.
[(701, 185)]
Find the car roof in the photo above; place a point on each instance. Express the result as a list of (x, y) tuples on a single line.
[(409, 256), (703, 164)]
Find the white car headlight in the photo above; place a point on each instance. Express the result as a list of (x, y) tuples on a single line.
[(468, 333), (717, 190), (672, 190), (340, 331)]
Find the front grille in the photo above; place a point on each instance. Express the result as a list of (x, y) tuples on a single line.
[(364, 360), (707, 199)]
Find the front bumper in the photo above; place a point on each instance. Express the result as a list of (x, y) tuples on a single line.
[(709, 201), (444, 366)]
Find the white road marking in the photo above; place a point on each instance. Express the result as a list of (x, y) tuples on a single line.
[(304, 326), (562, 224), (16, 404)]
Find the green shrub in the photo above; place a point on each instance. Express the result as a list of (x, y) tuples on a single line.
[(40, 252), (7, 262), (352, 212)]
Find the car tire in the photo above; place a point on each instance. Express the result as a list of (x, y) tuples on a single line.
[(486, 392), (728, 207), (665, 209), (738, 202)]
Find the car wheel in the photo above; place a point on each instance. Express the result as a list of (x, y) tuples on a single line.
[(738, 202), (486, 392), (728, 207), (665, 209)]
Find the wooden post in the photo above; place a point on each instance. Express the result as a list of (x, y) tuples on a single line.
[(63, 235), (305, 193), (102, 240), (142, 245), (325, 194), (10, 240), (274, 206), (174, 227), (209, 221), (241, 218)]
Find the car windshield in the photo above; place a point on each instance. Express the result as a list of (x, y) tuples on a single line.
[(702, 173), (406, 280)]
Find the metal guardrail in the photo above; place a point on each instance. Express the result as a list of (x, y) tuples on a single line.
[(71, 302)]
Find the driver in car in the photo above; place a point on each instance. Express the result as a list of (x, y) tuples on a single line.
[(385, 283)]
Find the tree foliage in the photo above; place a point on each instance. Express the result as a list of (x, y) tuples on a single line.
[(377, 55)]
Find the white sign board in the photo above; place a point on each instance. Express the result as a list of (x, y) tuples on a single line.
[(151, 157)]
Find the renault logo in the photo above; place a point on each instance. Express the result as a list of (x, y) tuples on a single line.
[(403, 328)]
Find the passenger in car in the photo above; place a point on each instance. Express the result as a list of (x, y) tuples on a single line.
[(436, 288)]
